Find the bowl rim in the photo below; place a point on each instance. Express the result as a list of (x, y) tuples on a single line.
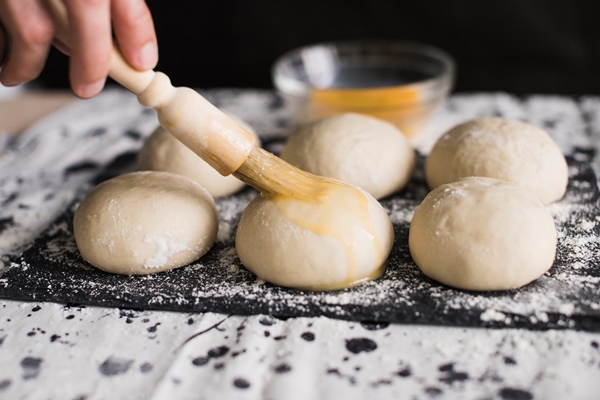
[(442, 82)]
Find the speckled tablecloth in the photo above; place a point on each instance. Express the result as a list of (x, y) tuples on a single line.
[(73, 351)]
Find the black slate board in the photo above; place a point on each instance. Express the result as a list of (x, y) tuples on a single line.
[(565, 297)]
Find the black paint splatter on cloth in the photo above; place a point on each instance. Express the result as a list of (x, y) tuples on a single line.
[(450, 375), (282, 368), (215, 352), (5, 223), (80, 167), (218, 351), (200, 361), (135, 135), (359, 345), (241, 383), (515, 394), (146, 367), (433, 391), (113, 366), (266, 321), (31, 367), (509, 361), (11, 197)]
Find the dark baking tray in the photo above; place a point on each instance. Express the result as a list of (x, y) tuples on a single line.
[(51, 269)]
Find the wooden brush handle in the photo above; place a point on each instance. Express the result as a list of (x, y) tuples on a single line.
[(183, 112)]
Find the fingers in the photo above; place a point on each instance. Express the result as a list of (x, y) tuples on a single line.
[(91, 40), (135, 33), (91, 45), (30, 30)]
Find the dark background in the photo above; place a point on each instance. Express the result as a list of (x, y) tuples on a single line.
[(516, 46)]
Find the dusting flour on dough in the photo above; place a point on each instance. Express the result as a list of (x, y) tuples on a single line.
[(166, 246)]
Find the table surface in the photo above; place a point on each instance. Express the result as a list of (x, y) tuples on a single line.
[(66, 351)]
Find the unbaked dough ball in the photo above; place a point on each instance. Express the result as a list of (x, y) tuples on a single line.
[(498, 148), (482, 234), (163, 152), (360, 150), (145, 222), (328, 244)]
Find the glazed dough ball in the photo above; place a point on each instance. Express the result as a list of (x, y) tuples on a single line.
[(145, 222), (482, 234), (360, 150), (298, 244), (498, 148), (163, 152)]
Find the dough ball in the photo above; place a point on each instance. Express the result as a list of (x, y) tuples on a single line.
[(145, 222), (360, 150), (307, 245), (163, 152), (482, 234), (498, 148)]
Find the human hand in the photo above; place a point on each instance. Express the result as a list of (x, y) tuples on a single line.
[(27, 32)]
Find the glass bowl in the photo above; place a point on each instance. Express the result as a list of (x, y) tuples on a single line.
[(402, 82)]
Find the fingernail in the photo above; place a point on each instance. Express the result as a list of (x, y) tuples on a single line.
[(91, 89), (10, 83), (148, 56)]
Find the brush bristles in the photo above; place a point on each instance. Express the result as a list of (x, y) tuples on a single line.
[(269, 173)]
